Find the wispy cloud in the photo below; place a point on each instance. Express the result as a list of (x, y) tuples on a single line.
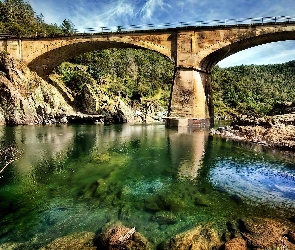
[(153, 7), (110, 14)]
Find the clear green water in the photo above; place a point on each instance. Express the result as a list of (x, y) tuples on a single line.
[(161, 181)]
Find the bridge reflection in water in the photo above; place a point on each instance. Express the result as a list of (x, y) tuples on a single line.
[(187, 151)]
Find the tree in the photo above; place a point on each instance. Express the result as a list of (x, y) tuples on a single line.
[(67, 27), (18, 18)]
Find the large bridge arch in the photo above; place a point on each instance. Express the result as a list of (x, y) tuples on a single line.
[(192, 94), (42, 55), (46, 62)]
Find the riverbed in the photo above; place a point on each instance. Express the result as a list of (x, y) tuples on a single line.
[(80, 178)]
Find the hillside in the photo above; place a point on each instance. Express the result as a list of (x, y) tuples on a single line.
[(253, 89)]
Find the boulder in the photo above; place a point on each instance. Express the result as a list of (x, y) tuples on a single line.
[(119, 237), (264, 233), (235, 244), (77, 241), (202, 237)]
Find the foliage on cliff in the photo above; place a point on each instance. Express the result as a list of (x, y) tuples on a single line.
[(135, 75), (26, 98), (253, 89), (18, 18)]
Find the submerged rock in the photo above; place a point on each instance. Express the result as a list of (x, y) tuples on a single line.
[(165, 217), (119, 237), (202, 237), (78, 241), (235, 244)]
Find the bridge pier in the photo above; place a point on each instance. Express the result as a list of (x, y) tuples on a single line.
[(190, 102)]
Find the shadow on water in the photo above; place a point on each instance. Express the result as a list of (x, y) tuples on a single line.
[(162, 181)]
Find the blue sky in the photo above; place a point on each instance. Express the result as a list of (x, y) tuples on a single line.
[(98, 13)]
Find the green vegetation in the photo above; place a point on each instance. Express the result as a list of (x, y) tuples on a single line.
[(18, 18), (253, 89), (133, 74)]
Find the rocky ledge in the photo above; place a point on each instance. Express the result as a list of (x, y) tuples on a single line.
[(272, 131), (241, 234)]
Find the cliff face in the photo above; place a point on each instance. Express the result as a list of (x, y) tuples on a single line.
[(25, 98)]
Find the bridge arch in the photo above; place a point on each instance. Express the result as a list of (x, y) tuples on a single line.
[(46, 62), (213, 58)]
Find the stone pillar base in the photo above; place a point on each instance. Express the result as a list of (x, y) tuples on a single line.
[(187, 122)]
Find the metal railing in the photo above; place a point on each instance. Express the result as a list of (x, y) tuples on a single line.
[(191, 24), (196, 24)]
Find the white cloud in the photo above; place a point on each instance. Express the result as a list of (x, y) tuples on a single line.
[(150, 7), (147, 10), (270, 53)]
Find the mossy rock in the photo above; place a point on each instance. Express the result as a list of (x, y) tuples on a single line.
[(171, 203), (150, 204), (165, 217), (200, 200)]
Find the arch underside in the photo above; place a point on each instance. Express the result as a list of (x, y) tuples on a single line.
[(212, 59), (46, 62)]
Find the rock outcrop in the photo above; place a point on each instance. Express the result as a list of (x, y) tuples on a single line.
[(28, 99), (273, 131), (118, 237)]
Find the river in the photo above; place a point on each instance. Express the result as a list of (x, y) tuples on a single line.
[(74, 178)]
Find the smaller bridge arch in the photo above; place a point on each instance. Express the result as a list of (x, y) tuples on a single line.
[(229, 49)]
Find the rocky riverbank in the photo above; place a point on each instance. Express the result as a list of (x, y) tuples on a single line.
[(243, 234), (273, 131), (27, 99)]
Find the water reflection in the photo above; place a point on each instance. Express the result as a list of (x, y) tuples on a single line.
[(37, 143), (187, 151), (162, 181), (258, 181)]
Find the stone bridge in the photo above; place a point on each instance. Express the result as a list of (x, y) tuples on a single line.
[(194, 50)]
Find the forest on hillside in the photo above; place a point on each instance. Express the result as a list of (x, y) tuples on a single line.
[(137, 76), (253, 89), (17, 18), (248, 89)]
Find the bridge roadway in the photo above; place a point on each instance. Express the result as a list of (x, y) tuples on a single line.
[(194, 50)]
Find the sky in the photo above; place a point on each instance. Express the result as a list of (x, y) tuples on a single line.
[(111, 13)]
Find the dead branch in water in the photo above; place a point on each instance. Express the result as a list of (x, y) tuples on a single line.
[(128, 235), (7, 156)]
